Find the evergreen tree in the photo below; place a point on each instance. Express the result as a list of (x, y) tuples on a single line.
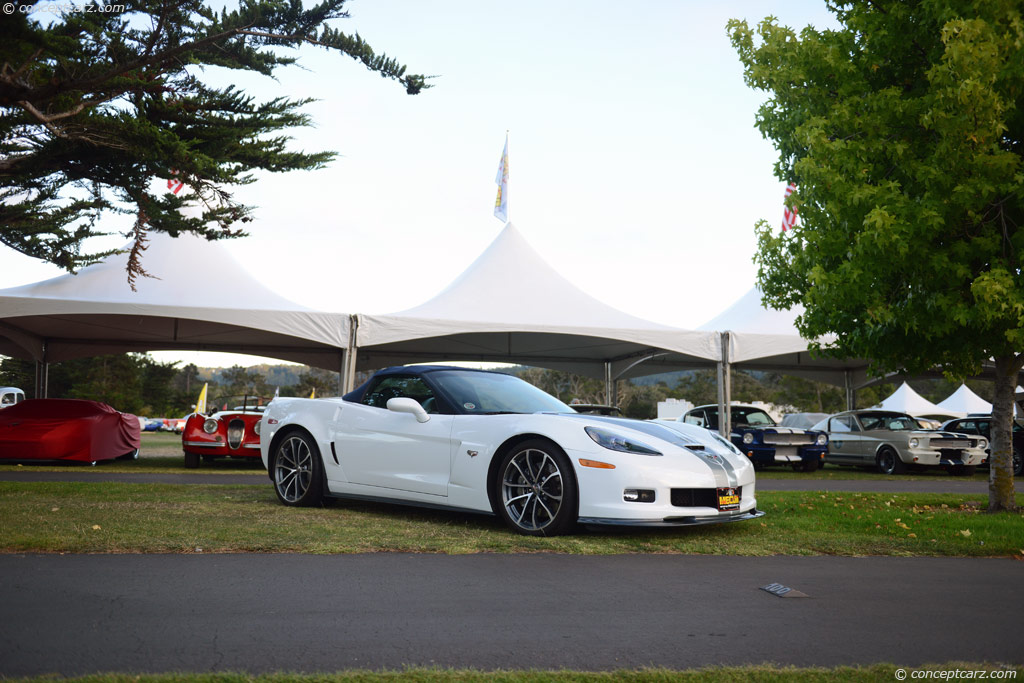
[(95, 105)]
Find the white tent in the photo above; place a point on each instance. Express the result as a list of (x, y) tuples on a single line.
[(198, 299), (759, 338), (964, 401), (511, 306), (906, 400)]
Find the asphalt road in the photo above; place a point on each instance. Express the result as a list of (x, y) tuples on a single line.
[(891, 485), (80, 614)]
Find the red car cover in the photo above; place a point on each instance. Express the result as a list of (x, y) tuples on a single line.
[(66, 429)]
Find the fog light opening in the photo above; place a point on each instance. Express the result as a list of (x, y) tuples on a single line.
[(638, 496)]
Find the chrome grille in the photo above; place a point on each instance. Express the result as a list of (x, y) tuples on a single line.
[(952, 443), (788, 439), (236, 430)]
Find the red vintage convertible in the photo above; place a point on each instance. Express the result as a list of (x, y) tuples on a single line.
[(67, 429), (233, 433)]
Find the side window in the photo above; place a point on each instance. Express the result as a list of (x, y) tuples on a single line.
[(966, 426), (695, 419), (7, 399), (840, 424), (398, 386), (983, 428)]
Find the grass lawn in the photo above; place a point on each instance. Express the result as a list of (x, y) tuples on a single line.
[(106, 517), (766, 673)]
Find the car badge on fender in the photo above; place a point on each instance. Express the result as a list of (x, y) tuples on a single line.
[(711, 457)]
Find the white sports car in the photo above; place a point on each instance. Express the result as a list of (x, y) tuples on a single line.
[(483, 441)]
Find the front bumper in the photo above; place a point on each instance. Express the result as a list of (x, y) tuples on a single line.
[(762, 454), (946, 456), (686, 520)]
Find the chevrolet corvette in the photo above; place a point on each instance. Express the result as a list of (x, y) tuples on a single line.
[(483, 441)]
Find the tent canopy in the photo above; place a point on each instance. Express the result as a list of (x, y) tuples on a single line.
[(511, 306), (964, 401), (766, 339), (906, 400), (199, 299)]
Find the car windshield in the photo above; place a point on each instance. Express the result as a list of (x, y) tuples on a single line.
[(892, 422), (491, 392), (741, 415)]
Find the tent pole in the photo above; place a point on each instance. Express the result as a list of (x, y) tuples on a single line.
[(351, 353), (42, 375), (609, 384), (724, 390), (342, 371), (850, 391)]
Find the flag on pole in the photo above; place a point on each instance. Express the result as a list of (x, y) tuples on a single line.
[(788, 214), (501, 203), (201, 402)]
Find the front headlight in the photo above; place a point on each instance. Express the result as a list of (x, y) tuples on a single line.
[(748, 437), (914, 443), (210, 425), (617, 442), (982, 443), (822, 439), (258, 427)]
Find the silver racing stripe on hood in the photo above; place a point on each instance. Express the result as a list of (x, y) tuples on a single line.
[(717, 462)]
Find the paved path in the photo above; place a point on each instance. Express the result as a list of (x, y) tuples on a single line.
[(259, 477), (80, 614)]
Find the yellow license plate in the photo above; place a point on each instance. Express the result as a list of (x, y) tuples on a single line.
[(728, 499)]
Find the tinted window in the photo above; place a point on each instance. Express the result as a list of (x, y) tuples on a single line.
[(841, 424), (695, 418), (399, 386), (491, 392)]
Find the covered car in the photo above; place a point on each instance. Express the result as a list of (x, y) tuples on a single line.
[(67, 429), (892, 442), (755, 434), (481, 441)]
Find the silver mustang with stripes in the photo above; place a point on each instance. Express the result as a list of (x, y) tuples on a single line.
[(488, 442)]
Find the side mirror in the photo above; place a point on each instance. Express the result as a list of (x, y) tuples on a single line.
[(408, 405)]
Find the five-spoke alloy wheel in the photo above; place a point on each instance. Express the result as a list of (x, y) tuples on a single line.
[(536, 489), (298, 472)]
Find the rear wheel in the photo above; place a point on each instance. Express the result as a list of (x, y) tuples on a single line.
[(298, 471), (536, 489), (889, 462), (191, 460)]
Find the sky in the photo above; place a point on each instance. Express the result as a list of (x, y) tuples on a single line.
[(635, 167)]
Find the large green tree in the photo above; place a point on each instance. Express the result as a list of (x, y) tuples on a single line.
[(903, 134), (94, 105)]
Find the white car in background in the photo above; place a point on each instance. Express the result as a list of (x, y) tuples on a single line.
[(488, 442), (10, 396)]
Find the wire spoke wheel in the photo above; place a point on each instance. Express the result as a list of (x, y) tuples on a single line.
[(296, 472), (532, 489)]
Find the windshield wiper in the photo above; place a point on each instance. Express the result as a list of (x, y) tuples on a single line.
[(499, 412)]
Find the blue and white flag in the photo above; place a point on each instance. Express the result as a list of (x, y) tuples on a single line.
[(501, 203)]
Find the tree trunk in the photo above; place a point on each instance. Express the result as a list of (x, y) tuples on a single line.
[(1001, 494)]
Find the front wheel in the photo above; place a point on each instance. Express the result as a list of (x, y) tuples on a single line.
[(298, 471), (536, 489), (889, 462), (963, 470), (191, 460), (1018, 463)]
